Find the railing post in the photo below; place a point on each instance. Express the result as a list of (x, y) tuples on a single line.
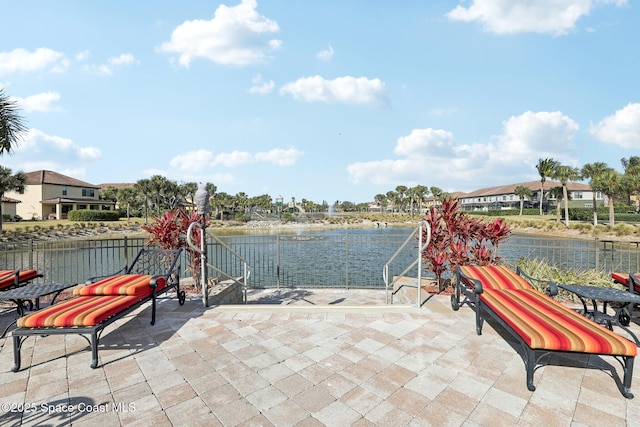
[(346, 263), (278, 261), (126, 251), (597, 253), (30, 249)]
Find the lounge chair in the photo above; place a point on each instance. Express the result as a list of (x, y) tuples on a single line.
[(540, 324), (10, 279), (104, 300), (632, 282)]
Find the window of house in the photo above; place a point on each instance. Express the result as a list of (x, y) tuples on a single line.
[(577, 194), (64, 191), (88, 192)]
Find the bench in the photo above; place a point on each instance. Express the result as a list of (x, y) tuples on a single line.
[(104, 300), (10, 279), (538, 322)]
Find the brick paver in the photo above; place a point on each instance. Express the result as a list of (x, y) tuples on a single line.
[(341, 364)]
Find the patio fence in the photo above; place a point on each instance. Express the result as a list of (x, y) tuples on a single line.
[(305, 260)]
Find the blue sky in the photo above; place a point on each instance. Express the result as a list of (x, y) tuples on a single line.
[(322, 100)]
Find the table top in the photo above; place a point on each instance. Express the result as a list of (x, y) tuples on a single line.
[(34, 290), (602, 293)]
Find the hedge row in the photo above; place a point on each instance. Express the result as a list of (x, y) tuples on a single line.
[(92, 215)]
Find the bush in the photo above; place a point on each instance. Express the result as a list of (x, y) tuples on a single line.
[(92, 215)]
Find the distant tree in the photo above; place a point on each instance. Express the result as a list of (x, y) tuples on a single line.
[(592, 171), (632, 178), (188, 190), (381, 200), (417, 194), (12, 128), (611, 184), (126, 196), (522, 191), (109, 193), (558, 194), (545, 169), (438, 194), (10, 182), (401, 192), (144, 190), (565, 174), (393, 198)]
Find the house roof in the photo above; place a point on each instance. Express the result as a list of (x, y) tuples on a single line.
[(10, 200), (116, 185), (533, 185), (50, 177), (56, 200)]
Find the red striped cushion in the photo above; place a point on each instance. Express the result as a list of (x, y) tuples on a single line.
[(8, 279), (623, 278), (78, 311), (544, 323), (495, 277), (126, 284)]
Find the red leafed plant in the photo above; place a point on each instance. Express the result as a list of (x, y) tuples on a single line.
[(169, 231), (457, 239)]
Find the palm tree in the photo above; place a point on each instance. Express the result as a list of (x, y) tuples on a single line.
[(632, 183), (418, 193), (381, 199), (545, 168), (126, 196), (632, 180), (10, 182), (143, 188), (611, 184), (401, 191), (558, 194), (522, 191), (593, 171), (11, 126), (565, 174)]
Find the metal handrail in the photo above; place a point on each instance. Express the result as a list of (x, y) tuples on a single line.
[(202, 250), (421, 247)]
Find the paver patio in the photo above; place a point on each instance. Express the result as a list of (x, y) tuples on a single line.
[(322, 358)]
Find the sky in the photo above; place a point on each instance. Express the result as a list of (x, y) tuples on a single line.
[(332, 100)]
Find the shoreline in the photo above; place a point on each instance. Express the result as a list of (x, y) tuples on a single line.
[(82, 231)]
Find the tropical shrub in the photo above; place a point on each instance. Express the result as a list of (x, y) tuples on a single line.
[(169, 231), (458, 239)]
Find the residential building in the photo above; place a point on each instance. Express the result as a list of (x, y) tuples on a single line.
[(504, 197), (9, 208), (51, 195)]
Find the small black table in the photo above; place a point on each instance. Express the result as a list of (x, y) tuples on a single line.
[(606, 295), (33, 291)]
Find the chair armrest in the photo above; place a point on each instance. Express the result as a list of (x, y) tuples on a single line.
[(466, 281)]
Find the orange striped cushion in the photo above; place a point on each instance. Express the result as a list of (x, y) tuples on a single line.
[(623, 278), (126, 284), (495, 277), (78, 311), (546, 324), (10, 279)]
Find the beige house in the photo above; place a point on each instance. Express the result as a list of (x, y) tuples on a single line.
[(9, 207), (504, 197), (51, 195)]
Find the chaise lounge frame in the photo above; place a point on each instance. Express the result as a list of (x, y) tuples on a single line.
[(473, 290), (147, 261)]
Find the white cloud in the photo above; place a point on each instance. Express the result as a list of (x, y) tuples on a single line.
[(203, 160), (113, 64), (24, 60), (81, 56), (622, 128), (432, 156), (347, 90), (279, 156), (40, 102), (326, 54), (39, 150), (235, 36), (556, 17), (261, 87)]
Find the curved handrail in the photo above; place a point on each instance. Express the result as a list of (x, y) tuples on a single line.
[(421, 247), (204, 264)]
